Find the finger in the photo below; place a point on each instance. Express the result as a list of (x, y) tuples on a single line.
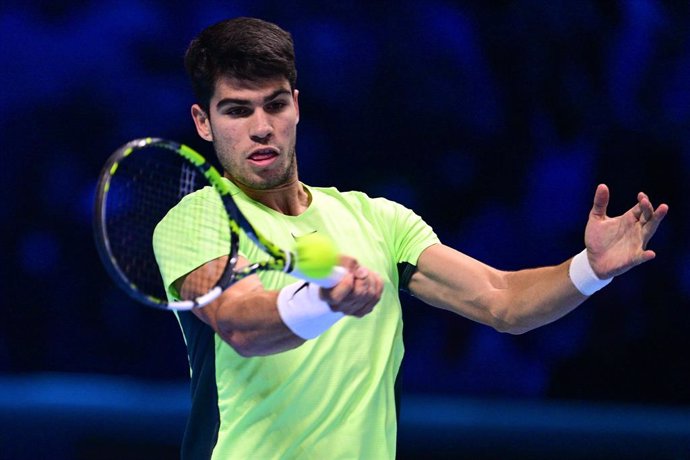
[(646, 210), (364, 309), (645, 256), (636, 212), (643, 210), (601, 201), (367, 305), (363, 286), (660, 212), (351, 296), (376, 291), (370, 294), (339, 292), (361, 273), (350, 263), (651, 226)]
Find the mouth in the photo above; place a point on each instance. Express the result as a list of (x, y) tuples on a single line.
[(263, 156)]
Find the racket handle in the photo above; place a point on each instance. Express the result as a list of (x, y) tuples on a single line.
[(328, 282)]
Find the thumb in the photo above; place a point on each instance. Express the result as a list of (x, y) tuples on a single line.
[(601, 201)]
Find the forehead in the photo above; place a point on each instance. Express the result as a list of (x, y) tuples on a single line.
[(228, 87)]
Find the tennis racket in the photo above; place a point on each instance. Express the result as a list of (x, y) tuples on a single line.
[(148, 180)]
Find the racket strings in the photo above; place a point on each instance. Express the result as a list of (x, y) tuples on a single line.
[(188, 176), (142, 191), (164, 214)]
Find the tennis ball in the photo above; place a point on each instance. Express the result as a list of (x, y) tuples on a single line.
[(316, 255)]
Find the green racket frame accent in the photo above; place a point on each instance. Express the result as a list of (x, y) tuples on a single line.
[(281, 260)]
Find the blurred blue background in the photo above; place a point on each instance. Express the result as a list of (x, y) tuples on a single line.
[(495, 121)]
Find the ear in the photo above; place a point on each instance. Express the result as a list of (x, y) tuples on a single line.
[(202, 123), (295, 94)]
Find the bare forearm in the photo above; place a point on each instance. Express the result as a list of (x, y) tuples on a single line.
[(252, 326), (535, 297), (522, 300), (258, 322), (512, 302)]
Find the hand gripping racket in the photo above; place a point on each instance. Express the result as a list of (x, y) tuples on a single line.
[(139, 185)]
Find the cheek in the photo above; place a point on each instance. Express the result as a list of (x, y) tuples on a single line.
[(226, 136), (290, 130)]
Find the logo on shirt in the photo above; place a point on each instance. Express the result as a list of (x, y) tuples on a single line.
[(304, 234)]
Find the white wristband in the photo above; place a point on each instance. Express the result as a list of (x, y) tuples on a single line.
[(583, 277), (303, 311)]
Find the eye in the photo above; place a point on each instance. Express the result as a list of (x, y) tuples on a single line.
[(238, 112), (276, 106)]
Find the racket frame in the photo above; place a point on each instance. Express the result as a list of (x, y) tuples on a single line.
[(281, 260)]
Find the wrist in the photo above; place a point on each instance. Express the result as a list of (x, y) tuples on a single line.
[(583, 277), (304, 312)]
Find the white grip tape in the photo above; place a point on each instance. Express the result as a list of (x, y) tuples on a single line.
[(328, 282), (302, 310), (583, 277)]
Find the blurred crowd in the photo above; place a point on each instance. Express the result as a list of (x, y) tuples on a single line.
[(494, 121)]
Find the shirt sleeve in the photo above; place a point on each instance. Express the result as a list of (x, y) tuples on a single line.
[(409, 234), (193, 233)]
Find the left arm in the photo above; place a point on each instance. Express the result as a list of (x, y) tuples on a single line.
[(522, 300)]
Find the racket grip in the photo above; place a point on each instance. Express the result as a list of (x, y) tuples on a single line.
[(328, 282)]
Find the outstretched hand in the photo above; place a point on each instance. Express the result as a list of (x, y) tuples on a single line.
[(617, 244)]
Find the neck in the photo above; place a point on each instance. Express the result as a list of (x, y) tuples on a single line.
[(290, 199)]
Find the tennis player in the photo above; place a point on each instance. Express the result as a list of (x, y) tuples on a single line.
[(281, 368)]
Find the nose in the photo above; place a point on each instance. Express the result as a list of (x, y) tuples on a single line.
[(261, 128)]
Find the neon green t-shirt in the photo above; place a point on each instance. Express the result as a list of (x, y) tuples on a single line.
[(333, 397)]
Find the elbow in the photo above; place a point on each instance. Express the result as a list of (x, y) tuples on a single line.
[(245, 350), (504, 320), (249, 344), (513, 330), (242, 343), (509, 328)]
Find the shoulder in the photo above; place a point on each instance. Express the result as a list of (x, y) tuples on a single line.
[(354, 198)]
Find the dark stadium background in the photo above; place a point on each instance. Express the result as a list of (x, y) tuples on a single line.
[(494, 120)]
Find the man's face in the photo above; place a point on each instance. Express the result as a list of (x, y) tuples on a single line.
[(253, 127)]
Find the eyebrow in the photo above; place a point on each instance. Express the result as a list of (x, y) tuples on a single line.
[(236, 101)]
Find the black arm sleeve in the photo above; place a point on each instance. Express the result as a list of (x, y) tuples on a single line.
[(405, 272)]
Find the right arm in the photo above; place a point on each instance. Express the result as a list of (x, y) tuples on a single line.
[(246, 315)]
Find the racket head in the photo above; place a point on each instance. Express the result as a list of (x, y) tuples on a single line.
[(138, 185)]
